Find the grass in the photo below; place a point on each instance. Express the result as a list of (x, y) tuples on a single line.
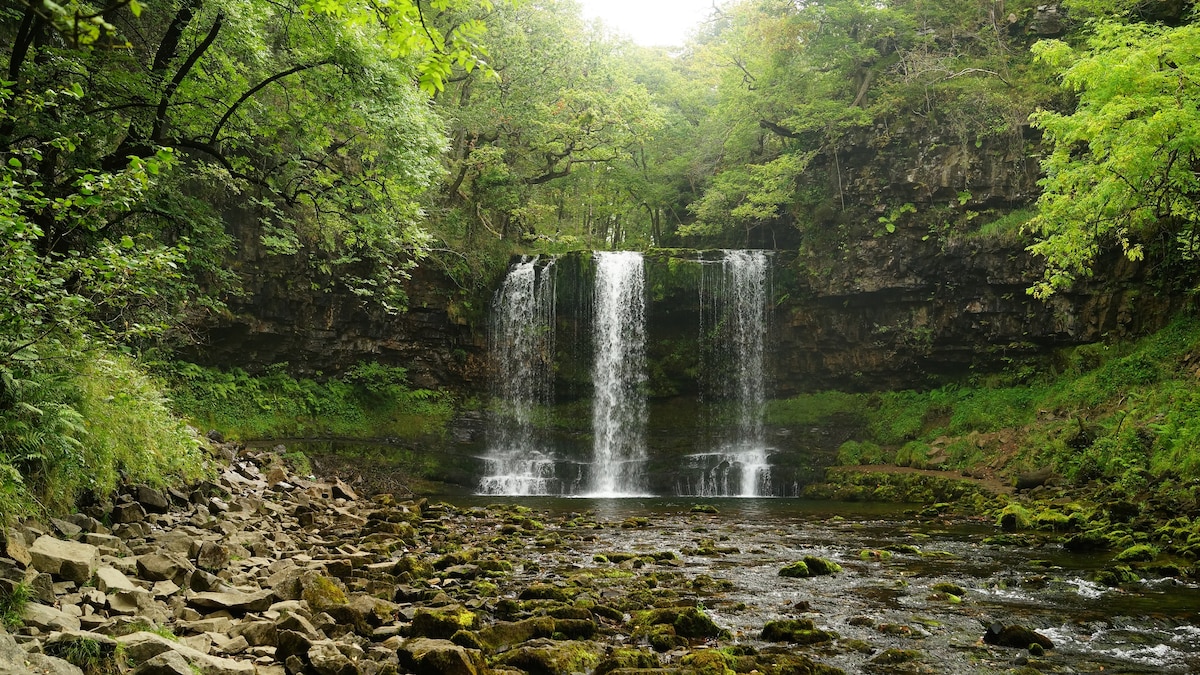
[(85, 422), (12, 605), (369, 401), (1122, 412)]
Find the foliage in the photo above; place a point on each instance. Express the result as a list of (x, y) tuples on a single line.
[(1122, 412), (1122, 171), (12, 605), (86, 426), (368, 401)]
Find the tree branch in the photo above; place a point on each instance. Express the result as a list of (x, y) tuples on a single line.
[(212, 138)]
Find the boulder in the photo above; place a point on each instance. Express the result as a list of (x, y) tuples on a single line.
[(154, 501), (143, 646), (439, 657), (326, 659), (237, 602), (48, 618), (1015, 636), (159, 567), (16, 661), (109, 579), (212, 556), (166, 663), (67, 559)]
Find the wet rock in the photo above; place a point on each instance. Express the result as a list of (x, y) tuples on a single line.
[(1015, 636), (799, 631), (545, 592), (67, 559), (627, 659), (688, 622)]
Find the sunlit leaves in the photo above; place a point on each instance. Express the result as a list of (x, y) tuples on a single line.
[(1123, 169)]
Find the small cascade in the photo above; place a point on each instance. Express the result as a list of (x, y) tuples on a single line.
[(618, 373), (734, 320), (521, 348)]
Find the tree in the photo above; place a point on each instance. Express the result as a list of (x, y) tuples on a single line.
[(1123, 169)]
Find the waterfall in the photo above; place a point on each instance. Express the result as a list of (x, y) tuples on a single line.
[(521, 348), (618, 373), (734, 319)]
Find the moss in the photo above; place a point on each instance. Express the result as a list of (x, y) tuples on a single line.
[(891, 657), (627, 659), (798, 631), (707, 662), (1137, 553), (550, 657), (443, 622), (821, 566), (322, 593), (796, 570), (952, 589), (1014, 518)]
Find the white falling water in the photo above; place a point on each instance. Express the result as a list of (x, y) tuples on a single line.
[(740, 466), (521, 345), (618, 374)]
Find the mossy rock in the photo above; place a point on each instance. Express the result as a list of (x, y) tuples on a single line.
[(707, 662), (575, 629), (1137, 553), (1014, 518), (412, 567), (704, 508), (952, 589), (504, 634), (495, 567), (1050, 519), (550, 657), (891, 657), (1088, 542), (799, 631), (1116, 575), (627, 659), (798, 664), (546, 592), (321, 592), (662, 637), (442, 622), (688, 622), (468, 639), (821, 566), (796, 570)]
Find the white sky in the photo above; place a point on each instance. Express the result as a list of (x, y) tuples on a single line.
[(650, 23)]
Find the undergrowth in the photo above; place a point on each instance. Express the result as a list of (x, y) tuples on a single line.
[(368, 401), (76, 422), (1123, 412)]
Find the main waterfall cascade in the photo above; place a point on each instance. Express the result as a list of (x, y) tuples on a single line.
[(618, 375), (734, 311), (601, 363), (521, 347)]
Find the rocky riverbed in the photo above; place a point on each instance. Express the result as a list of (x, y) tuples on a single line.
[(261, 571)]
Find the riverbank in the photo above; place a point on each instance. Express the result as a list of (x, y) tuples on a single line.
[(264, 571)]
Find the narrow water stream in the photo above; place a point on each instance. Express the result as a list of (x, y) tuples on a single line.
[(884, 598)]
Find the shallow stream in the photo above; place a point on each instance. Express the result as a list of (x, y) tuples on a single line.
[(884, 598)]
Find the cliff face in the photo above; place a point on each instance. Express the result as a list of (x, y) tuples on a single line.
[(862, 309), (323, 328)]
